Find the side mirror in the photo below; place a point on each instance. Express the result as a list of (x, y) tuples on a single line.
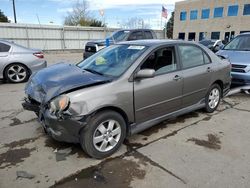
[(145, 73)]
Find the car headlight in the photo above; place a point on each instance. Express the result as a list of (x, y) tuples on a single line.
[(59, 104)]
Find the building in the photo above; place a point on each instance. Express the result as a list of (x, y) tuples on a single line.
[(212, 19)]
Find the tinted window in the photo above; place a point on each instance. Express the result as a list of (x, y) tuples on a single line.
[(193, 14), (191, 56), (162, 61), (233, 10), (206, 58), (137, 35), (215, 35), (191, 36), (218, 12), (148, 35), (4, 47), (183, 16), (181, 36), (205, 13), (246, 9), (239, 43)]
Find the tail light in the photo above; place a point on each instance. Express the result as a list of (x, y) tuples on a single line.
[(39, 55)]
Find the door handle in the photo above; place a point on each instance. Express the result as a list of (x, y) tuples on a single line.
[(209, 69), (177, 77)]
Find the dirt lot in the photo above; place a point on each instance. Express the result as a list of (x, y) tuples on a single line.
[(194, 150)]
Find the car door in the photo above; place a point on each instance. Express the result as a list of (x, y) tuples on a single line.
[(160, 95), (197, 70), (4, 54)]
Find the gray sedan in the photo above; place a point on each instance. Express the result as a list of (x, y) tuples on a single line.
[(124, 89), (17, 63)]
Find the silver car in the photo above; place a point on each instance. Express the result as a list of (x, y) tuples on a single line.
[(124, 89), (17, 63)]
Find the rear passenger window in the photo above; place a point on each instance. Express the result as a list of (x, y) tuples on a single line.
[(206, 58), (191, 56), (4, 47), (148, 35)]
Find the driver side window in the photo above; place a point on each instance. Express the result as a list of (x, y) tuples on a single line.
[(162, 61)]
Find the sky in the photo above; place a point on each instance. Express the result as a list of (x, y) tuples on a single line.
[(117, 12)]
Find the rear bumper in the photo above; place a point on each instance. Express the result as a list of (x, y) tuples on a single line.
[(88, 54), (38, 66), (63, 129)]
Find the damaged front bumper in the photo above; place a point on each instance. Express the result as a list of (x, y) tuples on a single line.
[(64, 128)]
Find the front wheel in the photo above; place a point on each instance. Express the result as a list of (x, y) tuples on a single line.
[(213, 98), (104, 134)]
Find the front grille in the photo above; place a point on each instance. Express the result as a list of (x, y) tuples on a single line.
[(238, 68), (90, 49)]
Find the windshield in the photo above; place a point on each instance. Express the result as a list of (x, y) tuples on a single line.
[(120, 35), (240, 43), (112, 61)]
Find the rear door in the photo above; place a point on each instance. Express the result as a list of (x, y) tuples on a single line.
[(197, 73), (4, 55), (160, 95)]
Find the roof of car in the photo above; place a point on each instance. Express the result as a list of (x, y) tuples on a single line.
[(135, 30), (155, 42), (246, 33)]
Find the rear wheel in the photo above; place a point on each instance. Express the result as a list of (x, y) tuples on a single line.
[(104, 134), (16, 73), (213, 98)]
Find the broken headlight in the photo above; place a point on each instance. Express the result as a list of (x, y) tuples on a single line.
[(59, 104)]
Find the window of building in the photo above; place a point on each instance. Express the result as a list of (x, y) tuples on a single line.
[(183, 16), (191, 36), (218, 12), (181, 36), (205, 13), (191, 56), (201, 36), (233, 10), (193, 14), (4, 47), (215, 35), (246, 10)]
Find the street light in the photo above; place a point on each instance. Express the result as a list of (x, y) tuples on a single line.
[(14, 10)]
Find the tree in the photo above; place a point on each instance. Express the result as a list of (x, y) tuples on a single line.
[(169, 27), (3, 18), (80, 15), (135, 23)]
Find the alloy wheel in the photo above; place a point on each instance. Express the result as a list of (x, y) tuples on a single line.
[(17, 73), (107, 135), (214, 98)]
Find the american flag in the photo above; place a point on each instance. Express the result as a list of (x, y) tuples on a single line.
[(164, 12)]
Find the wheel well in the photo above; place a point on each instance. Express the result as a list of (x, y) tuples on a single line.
[(118, 110), (220, 83), (29, 71)]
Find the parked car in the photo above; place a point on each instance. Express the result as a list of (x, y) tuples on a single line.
[(214, 45), (17, 63), (118, 36), (124, 89), (238, 52)]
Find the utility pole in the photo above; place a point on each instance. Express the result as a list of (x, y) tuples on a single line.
[(14, 10)]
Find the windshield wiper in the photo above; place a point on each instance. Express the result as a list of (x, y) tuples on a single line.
[(93, 71)]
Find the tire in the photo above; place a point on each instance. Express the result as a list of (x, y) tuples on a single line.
[(213, 98), (103, 135), (16, 73)]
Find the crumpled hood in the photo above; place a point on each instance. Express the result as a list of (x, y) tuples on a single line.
[(60, 78), (236, 57)]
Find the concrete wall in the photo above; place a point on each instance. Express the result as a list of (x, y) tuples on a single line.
[(50, 37), (222, 25)]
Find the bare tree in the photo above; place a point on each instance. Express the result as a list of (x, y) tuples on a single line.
[(135, 23), (80, 15)]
